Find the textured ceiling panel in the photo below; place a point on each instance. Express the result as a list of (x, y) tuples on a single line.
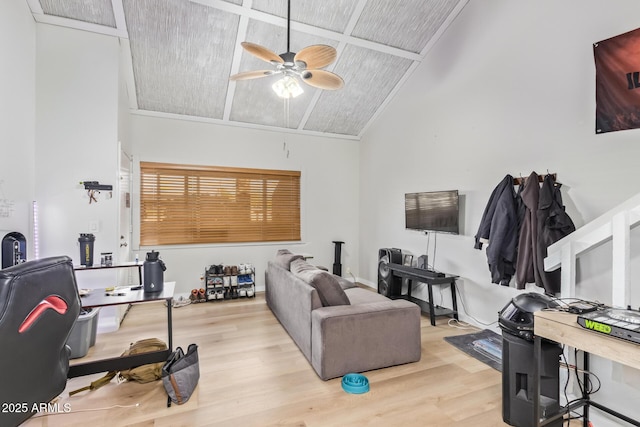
[(93, 11), (407, 24), (369, 78), (328, 14), (181, 53), (184, 51), (254, 100), (274, 37)]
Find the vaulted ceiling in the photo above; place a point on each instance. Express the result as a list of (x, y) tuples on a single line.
[(182, 53)]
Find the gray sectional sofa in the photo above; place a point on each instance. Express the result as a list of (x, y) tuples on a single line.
[(339, 327)]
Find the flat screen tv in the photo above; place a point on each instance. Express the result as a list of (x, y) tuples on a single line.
[(432, 211)]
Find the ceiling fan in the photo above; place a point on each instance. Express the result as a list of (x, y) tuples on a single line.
[(305, 64)]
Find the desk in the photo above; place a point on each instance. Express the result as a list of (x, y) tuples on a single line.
[(121, 265), (563, 328), (97, 298), (424, 276)]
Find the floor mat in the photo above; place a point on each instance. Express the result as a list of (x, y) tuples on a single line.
[(486, 346)]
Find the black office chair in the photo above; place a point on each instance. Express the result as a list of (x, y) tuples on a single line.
[(39, 304)]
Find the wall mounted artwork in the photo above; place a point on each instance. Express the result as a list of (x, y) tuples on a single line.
[(617, 63)]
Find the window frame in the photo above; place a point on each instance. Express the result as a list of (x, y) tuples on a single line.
[(186, 220)]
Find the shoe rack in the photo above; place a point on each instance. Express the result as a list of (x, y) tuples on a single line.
[(225, 282)]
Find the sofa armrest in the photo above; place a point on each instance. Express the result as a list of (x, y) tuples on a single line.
[(362, 337), (292, 301)]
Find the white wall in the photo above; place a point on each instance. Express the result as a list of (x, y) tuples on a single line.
[(329, 187), (77, 140), (76, 137), (508, 89), (17, 118)]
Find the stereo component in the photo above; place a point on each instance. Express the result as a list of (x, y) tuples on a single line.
[(388, 284)]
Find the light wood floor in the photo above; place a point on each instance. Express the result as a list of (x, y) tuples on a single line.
[(252, 374)]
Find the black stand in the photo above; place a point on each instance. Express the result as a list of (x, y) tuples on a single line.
[(543, 419), (430, 278), (337, 264)]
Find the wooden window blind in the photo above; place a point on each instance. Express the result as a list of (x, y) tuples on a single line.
[(185, 204)]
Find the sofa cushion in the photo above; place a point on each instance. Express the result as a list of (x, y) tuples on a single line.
[(327, 285), (284, 258), (329, 289)]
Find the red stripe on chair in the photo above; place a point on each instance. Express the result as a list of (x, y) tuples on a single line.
[(53, 302)]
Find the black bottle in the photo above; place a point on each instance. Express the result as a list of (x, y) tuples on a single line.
[(153, 268)]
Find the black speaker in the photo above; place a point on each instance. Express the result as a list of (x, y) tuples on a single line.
[(517, 381), (388, 284)]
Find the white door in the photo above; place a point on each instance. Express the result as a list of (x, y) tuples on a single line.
[(126, 276), (110, 317)]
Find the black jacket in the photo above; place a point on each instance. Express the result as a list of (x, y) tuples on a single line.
[(553, 224), (499, 230)]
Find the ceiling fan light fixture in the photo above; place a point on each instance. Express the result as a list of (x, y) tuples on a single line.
[(287, 87), (307, 64)]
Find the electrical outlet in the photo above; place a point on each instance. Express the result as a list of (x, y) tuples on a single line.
[(93, 226), (348, 270)]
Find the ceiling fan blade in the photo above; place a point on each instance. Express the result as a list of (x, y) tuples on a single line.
[(322, 79), (316, 56), (247, 75), (262, 53)]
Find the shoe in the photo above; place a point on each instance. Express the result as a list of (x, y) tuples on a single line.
[(234, 280), (226, 281), (180, 302), (250, 292), (249, 268), (234, 270), (194, 295), (201, 295), (226, 270), (234, 293)]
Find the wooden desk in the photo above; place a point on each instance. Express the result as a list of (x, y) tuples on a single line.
[(564, 328), (97, 298)]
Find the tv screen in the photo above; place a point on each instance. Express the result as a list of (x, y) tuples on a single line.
[(432, 211)]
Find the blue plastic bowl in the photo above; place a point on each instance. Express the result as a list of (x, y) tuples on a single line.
[(355, 383)]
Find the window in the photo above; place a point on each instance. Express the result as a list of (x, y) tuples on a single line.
[(183, 204)]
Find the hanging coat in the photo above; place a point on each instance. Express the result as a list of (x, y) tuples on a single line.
[(528, 239), (499, 230), (553, 224)]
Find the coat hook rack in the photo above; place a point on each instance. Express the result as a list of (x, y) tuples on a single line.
[(93, 189), (520, 180)]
